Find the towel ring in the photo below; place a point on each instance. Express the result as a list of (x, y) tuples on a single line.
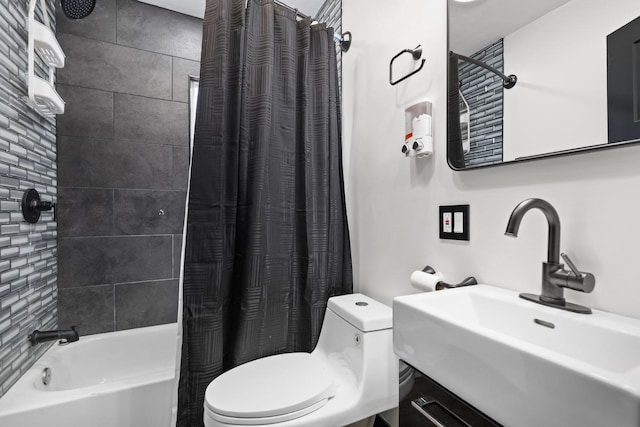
[(416, 53)]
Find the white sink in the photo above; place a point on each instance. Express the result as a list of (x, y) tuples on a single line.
[(521, 363)]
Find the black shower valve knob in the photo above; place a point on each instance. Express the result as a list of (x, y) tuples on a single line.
[(32, 206)]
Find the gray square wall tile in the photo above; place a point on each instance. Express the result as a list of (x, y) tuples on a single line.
[(149, 211), (85, 212), (99, 25), (151, 28), (91, 261), (105, 66), (136, 308), (89, 309), (113, 164), (82, 262), (152, 120), (88, 112), (74, 169)]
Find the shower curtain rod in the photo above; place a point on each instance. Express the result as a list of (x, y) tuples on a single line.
[(508, 81), (286, 6)]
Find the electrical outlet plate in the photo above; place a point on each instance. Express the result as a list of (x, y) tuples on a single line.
[(454, 222)]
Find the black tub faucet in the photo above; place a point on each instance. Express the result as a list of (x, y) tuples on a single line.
[(64, 335), (554, 277)]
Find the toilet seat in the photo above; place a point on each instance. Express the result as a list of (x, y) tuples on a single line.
[(270, 390)]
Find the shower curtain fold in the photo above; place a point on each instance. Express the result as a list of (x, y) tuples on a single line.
[(267, 240)]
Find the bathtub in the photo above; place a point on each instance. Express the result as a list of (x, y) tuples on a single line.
[(115, 379)]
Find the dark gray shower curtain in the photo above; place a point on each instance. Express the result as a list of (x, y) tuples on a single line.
[(267, 241)]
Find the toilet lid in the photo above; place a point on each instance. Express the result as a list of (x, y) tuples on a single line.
[(271, 387)]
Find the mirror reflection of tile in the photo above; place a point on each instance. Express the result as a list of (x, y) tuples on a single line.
[(482, 103)]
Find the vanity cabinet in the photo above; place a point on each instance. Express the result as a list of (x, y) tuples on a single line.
[(428, 399)]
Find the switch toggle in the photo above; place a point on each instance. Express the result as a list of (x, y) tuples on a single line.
[(458, 220)]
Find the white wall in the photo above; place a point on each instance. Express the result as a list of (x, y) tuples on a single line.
[(393, 201), (560, 100)]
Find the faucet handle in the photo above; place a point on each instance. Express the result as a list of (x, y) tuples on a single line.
[(583, 282), (571, 265)]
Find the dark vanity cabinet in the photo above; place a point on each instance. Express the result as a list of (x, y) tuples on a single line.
[(429, 404)]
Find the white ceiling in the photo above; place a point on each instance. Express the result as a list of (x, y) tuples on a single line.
[(472, 25), (188, 7), (196, 7), (477, 24)]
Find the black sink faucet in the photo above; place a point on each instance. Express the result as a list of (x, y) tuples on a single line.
[(554, 277), (65, 336)]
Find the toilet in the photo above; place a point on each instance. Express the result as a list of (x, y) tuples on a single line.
[(350, 376)]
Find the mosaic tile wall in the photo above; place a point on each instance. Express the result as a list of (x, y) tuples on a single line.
[(484, 93), (28, 264)]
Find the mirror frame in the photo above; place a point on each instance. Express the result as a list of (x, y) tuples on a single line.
[(552, 154)]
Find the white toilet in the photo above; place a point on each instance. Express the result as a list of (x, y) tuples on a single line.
[(352, 374)]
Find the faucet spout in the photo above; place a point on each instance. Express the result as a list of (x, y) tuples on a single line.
[(65, 336), (553, 249)]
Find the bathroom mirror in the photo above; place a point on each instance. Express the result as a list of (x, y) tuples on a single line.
[(569, 58)]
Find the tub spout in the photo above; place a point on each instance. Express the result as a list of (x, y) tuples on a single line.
[(65, 336)]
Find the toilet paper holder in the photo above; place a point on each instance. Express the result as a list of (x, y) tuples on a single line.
[(469, 281)]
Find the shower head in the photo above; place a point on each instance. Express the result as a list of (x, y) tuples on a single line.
[(77, 9)]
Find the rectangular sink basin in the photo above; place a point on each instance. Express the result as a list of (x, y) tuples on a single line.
[(521, 363)]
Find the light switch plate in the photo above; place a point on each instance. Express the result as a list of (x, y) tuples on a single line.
[(454, 222)]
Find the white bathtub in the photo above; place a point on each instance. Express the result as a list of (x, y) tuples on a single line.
[(117, 379)]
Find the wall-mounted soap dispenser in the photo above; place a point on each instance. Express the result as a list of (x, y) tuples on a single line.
[(418, 140)]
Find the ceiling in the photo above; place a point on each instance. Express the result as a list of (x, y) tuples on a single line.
[(486, 20), (474, 25), (196, 7)]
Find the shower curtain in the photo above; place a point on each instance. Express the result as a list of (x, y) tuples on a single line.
[(267, 241)]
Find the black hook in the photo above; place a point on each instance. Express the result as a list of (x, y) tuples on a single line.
[(345, 42)]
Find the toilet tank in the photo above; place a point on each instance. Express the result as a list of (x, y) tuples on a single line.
[(353, 323), (356, 336), (365, 313)]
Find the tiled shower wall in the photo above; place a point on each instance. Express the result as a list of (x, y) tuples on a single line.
[(123, 163), (27, 160), (484, 92)]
